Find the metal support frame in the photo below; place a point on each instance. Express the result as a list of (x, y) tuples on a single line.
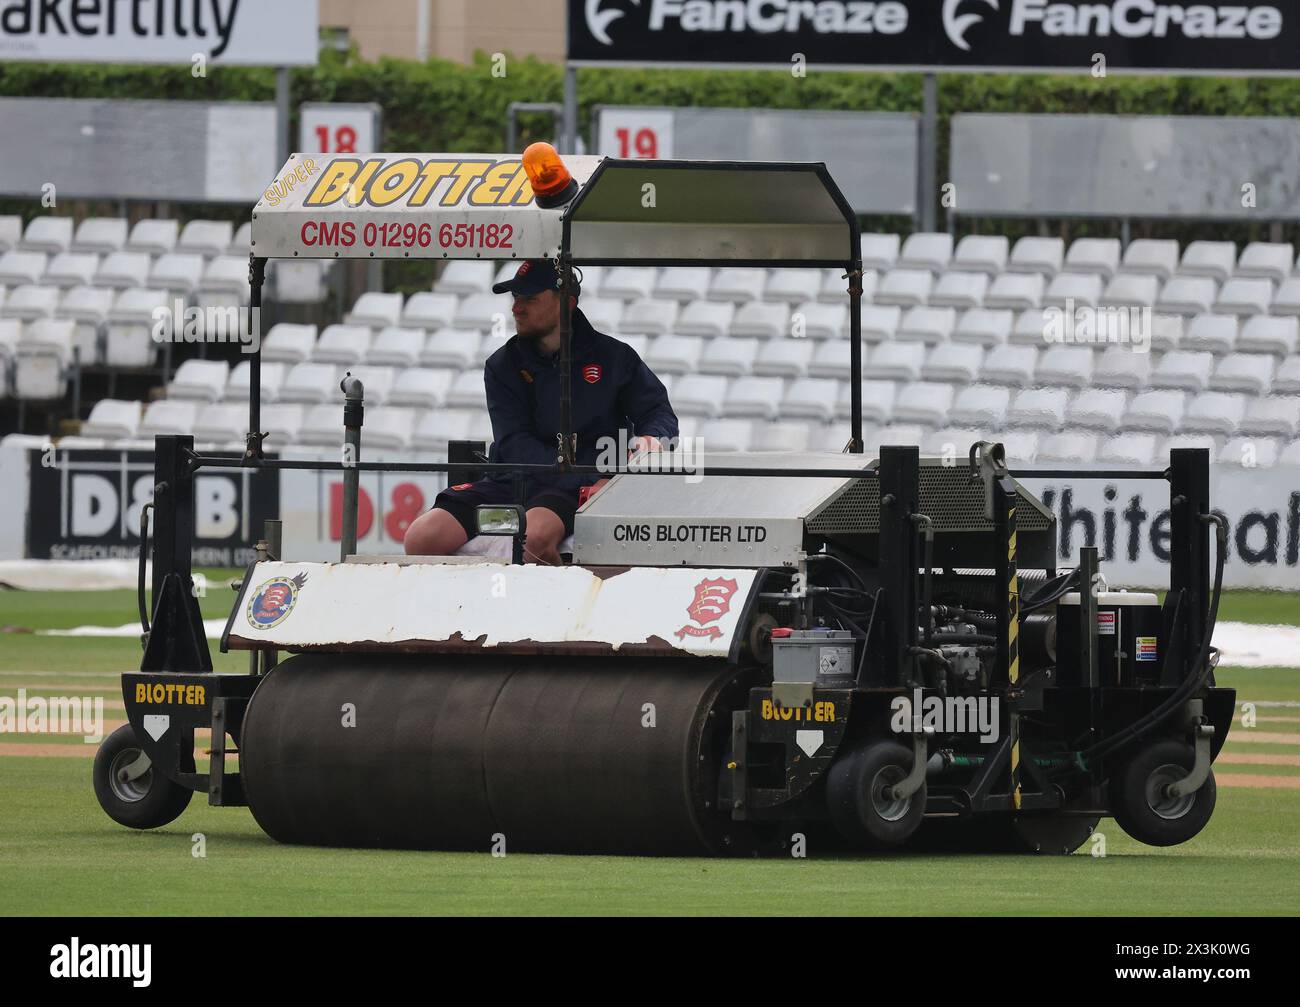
[(900, 498), (515, 108), (253, 439), (854, 276), (928, 182), (353, 415), (1003, 500), (1187, 605)]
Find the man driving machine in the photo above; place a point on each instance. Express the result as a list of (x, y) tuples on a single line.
[(614, 395)]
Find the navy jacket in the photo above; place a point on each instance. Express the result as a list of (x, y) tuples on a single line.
[(613, 390)]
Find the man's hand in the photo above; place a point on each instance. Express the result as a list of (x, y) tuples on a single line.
[(643, 444)]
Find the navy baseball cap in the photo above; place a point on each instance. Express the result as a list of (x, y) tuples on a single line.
[(532, 277)]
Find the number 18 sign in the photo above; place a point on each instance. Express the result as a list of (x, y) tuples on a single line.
[(636, 132), (338, 129)]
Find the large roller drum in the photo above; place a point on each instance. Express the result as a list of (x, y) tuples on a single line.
[(553, 753)]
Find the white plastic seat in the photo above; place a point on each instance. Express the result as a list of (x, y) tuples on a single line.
[(11, 331), (297, 281), (1187, 295), (830, 359), (112, 419), (1160, 410), (438, 426), (959, 290), (168, 416), (390, 428), (895, 362), (224, 282), (1039, 408), (1138, 449), (682, 283), (878, 399), (792, 286), (953, 362), (1267, 334), (310, 383), (926, 250), (604, 313), (819, 321), (811, 398), (1097, 409), (1183, 369), (70, 269), (209, 238), (1069, 446), (41, 358), (761, 320), (1215, 413), (1131, 290), (376, 381), (19, 267), (88, 307), (1033, 326), (834, 437), (629, 283), (1249, 452), (1274, 416), (199, 380), (1207, 442), (983, 407), (924, 402), (787, 437), (1067, 366), (926, 325), (1244, 372), (1151, 257), (727, 436), (737, 284), (951, 443), (242, 242), (221, 423), (1083, 289), (30, 302), (376, 310), (1290, 454), (449, 347), (1244, 296), (463, 277), (1009, 365), (100, 235), (1120, 367), (177, 273), (675, 354), (395, 346), (153, 237), (699, 395), (422, 387), (896, 434), (1167, 332), (1020, 446), (289, 343), (11, 231), (1266, 261), (467, 391), (485, 311), (730, 357), (707, 319), (1210, 332), (322, 426), (272, 376), (1094, 255), (649, 317), (47, 234), (979, 253), (427, 310), (1215, 259), (129, 328), (1016, 291), (1285, 302), (787, 358), (1044, 256), (880, 322), (751, 396), (1286, 380), (342, 344), (983, 327), (904, 287), (880, 251)]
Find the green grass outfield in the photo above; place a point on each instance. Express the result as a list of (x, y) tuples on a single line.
[(60, 855)]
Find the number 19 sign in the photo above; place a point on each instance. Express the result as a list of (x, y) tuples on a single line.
[(636, 132), (338, 129)]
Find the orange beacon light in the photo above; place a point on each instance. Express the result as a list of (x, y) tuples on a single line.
[(550, 179)]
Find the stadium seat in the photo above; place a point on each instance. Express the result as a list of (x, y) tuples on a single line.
[(1244, 372), (730, 357), (761, 320), (751, 396), (983, 407), (1266, 261), (11, 231), (1129, 449), (1244, 297), (1183, 369), (1044, 256), (342, 344), (41, 359), (123, 270), (427, 310), (978, 253), (168, 416), (208, 238), (878, 399), (376, 382), (18, 268), (390, 428), (926, 250), (675, 354), (958, 363), (834, 437), (604, 313), (1217, 413), (376, 310), (1249, 452), (880, 251), (1097, 409), (819, 321), (1187, 295), (113, 420), (153, 237), (1131, 290), (905, 434), (984, 327), (1083, 289), (310, 383), (924, 402), (649, 317), (682, 283), (489, 312), (396, 347), (629, 283), (727, 435), (707, 319), (70, 269), (449, 347), (1020, 446), (1215, 259), (289, 342), (272, 376), (786, 358), (11, 331), (1067, 366), (904, 287), (297, 281), (177, 273), (1159, 410), (738, 284), (959, 290), (467, 391), (793, 286), (895, 362), (224, 283), (926, 325), (1094, 255), (223, 423), (1122, 367), (787, 437), (1214, 333), (1290, 454), (1166, 332), (423, 387), (129, 329), (950, 443), (1286, 380), (1072, 447), (879, 322), (1204, 441), (242, 242), (811, 398), (199, 380), (88, 307), (699, 395), (1016, 292), (1009, 365), (322, 426), (491, 342), (1274, 416), (30, 302), (46, 234), (100, 235), (463, 277), (1269, 334), (1032, 326), (1151, 257), (1285, 302), (830, 359)]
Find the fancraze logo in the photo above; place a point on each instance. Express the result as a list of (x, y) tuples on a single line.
[(956, 27), (1146, 19), (379, 182), (825, 17)]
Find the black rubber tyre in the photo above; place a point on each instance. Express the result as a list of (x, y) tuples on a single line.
[(1140, 807), (859, 809), (148, 801)]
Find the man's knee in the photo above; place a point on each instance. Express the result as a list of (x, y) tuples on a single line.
[(434, 533), (545, 533)]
